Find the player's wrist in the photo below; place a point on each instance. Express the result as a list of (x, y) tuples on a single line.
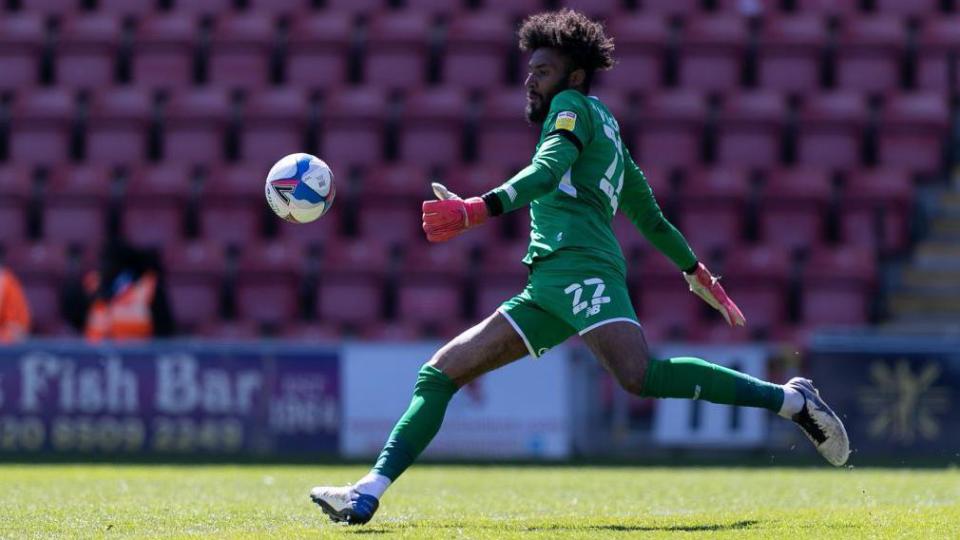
[(693, 269), (476, 211), (493, 203)]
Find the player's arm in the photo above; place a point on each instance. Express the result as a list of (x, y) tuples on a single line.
[(445, 218), (640, 205)]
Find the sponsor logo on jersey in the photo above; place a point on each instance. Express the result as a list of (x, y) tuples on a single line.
[(566, 120)]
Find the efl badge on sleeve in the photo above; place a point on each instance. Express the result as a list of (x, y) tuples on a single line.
[(566, 120)]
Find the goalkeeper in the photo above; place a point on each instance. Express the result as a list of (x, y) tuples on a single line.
[(580, 176)]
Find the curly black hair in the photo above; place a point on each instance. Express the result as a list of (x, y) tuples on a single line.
[(574, 35)]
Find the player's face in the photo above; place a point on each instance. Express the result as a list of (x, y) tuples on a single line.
[(547, 76)]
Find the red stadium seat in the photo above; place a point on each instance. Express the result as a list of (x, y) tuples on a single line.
[(194, 274), (317, 49), (670, 7), (876, 208), (448, 260), (504, 137), (152, 211), (669, 305), (868, 57), (238, 330), (126, 8), (711, 51), (477, 46), (349, 299), (391, 222), (268, 280), (432, 127), (274, 125), (492, 292), (603, 9), (87, 50), (74, 204), (240, 50), (195, 125), (399, 183), (21, 42), (640, 48), (514, 8), (913, 7), (232, 203), (41, 268), (475, 179), (831, 128), (436, 7), (353, 124), (712, 207), (280, 7), (912, 131), (789, 52), (117, 130), (749, 128), (939, 38), (428, 301), (392, 331), (396, 49), (827, 7), (793, 205), (756, 278), (670, 129), (163, 50), (15, 183), (40, 126), (52, 7), (355, 6), (837, 284)]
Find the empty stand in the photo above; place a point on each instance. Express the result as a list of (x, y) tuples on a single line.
[(712, 207), (15, 184), (195, 125), (477, 46), (757, 278), (912, 127), (40, 126), (432, 127), (670, 128), (831, 129), (41, 268), (195, 272), (794, 205), (118, 125), (789, 52), (504, 138), (268, 280), (837, 286), (163, 50), (711, 52), (396, 49), (641, 42), (353, 125), (74, 203), (877, 208), (317, 49), (154, 203), (231, 203), (937, 45), (240, 48), (869, 55), (86, 50), (750, 127), (21, 43), (274, 125), (351, 290)]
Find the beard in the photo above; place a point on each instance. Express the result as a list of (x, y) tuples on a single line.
[(536, 112)]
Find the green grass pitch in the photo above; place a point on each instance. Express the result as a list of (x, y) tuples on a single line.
[(431, 502)]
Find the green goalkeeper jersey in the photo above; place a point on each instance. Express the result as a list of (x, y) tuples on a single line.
[(581, 174)]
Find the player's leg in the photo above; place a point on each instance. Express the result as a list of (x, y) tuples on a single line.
[(620, 346), (488, 345)]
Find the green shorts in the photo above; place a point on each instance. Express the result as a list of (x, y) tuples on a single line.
[(565, 296)]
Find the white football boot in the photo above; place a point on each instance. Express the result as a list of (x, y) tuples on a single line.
[(345, 504), (820, 424)]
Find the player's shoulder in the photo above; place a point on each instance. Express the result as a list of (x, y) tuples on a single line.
[(569, 99)]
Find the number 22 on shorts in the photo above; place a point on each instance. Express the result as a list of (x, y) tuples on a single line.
[(596, 301)]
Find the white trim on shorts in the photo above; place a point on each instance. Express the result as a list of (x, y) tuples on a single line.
[(601, 323), (516, 327)]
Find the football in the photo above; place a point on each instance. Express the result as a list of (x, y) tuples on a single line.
[(300, 188)]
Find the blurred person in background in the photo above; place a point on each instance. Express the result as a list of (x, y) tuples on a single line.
[(125, 299), (14, 311)]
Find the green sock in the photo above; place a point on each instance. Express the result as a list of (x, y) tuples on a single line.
[(693, 378), (417, 427)]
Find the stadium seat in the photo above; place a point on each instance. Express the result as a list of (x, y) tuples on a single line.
[(911, 8), (163, 50), (353, 123), (912, 130), (153, 206), (641, 41), (52, 7), (294, 8), (86, 52), (477, 45), (431, 127), (307, 235), (41, 267), (749, 128), (670, 7), (939, 38), (310, 333), (837, 284), (492, 292), (868, 56), (669, 304), (504, 137), (194, 273), (14, 193), (756, 279), (203, 7), (268, 280), (876, 208), (710, 52), (240, 48), (394, 222), (317, 50), (428, 300), (792, 206), (40, 126), (74, 204), (596, 9), (396, 49), (230, 331), (712, 206), (118, 122), (232, 203), (831, 128), (353, 299), (365, 7), (789, 52), (670, 129), (274, 125), (470, 180), (195, 125), (514, 8), (398, 183), (21, 42), (447, 260), (827, 7), (126, 8), (393, 331)]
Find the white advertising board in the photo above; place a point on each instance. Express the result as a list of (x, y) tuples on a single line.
[(518, 411), (689, 423)]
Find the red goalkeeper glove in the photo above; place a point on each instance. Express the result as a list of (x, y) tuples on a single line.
[(450, 215), (707, 286)]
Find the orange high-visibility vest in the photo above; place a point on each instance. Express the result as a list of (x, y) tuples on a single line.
[(126, 315), (14, 311)]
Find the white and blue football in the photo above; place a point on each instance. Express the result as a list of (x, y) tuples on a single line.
[(300, 188)]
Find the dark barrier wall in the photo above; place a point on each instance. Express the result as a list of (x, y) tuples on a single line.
[(898, 397), (171, 398)]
